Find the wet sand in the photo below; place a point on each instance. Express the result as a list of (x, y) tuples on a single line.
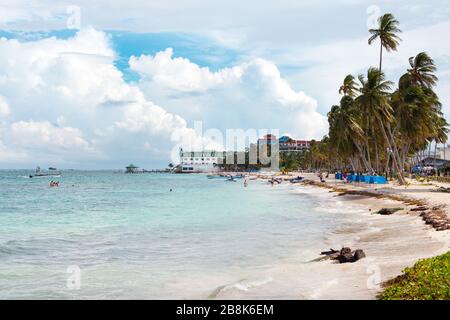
[(390, 242)]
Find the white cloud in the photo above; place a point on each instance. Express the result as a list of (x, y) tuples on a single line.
[(327, 65), (43, 137), (179, 73), (67, 102), (252, 94), (4, 107)]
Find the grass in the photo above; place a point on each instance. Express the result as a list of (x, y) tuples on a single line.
[(428, 279), (440, 179)]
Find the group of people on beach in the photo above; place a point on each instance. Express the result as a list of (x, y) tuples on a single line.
[(54, 183)]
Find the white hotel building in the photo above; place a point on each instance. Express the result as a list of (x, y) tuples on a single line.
[(199, 161)]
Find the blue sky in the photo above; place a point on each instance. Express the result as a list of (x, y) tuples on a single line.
[(98, 85)]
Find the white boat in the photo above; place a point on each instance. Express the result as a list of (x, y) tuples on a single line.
[(231, 179), (51, 172)]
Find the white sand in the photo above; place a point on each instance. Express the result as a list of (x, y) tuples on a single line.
[(391, 243)]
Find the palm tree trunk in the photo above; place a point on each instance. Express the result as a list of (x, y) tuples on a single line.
[(434, 164), (377, 156), (352, 163), (400, 165), (361, 155), (381, 54), (388, 157), (395, 163), (429, 150), (369, 167)]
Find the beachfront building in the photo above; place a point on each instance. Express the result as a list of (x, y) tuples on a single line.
[(441, 152), (267, 139), (287, 144), (199, 161), (431, 165)]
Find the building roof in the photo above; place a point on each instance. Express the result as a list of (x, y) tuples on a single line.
[(268, 137)]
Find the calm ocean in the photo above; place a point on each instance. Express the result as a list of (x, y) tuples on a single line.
[(131, 237)]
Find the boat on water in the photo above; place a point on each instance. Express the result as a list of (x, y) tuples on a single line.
[(51, 172), (296, 180), (274, 180), (225, 176)]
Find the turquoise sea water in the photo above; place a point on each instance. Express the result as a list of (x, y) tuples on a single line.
[(131, 237)]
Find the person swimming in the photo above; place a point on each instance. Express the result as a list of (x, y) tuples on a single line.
[(54, 183)]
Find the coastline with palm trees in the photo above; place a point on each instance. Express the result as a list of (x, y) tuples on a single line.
[(380, 128)]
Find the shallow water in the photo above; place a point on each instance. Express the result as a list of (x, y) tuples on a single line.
[(131, 237)]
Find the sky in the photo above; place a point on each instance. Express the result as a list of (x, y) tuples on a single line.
[(101, 84)]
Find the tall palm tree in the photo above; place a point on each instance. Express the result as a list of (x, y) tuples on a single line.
[(348, 87), (441, 135), (387, 32), (375, 105), (346, 134), (422, 70)]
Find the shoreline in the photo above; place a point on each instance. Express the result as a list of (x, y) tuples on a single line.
[(391, 242)]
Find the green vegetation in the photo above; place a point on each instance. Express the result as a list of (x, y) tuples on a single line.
[(378, 127), (428, 279)]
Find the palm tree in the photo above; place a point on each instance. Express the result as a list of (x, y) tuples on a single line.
[(346, 134), (422, 70), (375, 106), (387, 32), (441, 135), (348, 88)]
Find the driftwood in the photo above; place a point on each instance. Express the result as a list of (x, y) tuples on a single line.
[(421, 208), (388, 211), (359, 254), (344, 255), (436, 217), (443, 189), (327, 253)]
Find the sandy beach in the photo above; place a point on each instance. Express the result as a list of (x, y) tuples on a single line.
[(391, 242)]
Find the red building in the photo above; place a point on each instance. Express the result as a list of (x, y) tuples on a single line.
[(267, 139), (285, 143)]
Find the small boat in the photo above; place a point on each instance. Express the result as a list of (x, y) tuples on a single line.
[(275, 180), (296, 180), (231, 179), (51, 172)]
